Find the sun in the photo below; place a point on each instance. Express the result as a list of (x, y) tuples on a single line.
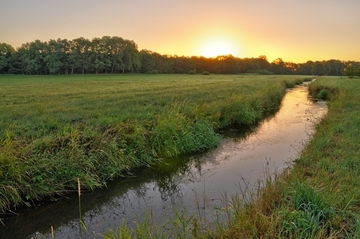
[(218, 46)]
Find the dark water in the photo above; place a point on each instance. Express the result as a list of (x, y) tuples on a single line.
[(195, 184)]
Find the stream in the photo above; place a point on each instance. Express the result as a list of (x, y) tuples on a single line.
[(189, 185)]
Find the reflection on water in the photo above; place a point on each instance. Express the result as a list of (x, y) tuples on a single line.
[(193, 184)]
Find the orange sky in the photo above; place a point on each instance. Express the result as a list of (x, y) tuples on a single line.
[(294, 30)]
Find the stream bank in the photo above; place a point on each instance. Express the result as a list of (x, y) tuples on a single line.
[(194, 184)]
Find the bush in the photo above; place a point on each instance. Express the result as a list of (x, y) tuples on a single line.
[(323, 94), (264, 72), (153, 72), (206, 73), (192, 72)]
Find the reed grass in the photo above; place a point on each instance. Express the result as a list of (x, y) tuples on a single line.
[(55, 129), (319, 197)]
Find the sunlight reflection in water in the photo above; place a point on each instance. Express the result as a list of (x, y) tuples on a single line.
[(196, 186)]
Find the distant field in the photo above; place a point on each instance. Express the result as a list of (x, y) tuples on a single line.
[(55, 129)]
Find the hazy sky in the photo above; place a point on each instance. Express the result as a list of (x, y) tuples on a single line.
[(295, 30)]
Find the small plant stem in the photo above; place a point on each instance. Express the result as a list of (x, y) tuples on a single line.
[(80, 216)]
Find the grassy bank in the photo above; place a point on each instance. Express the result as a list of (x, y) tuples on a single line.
[(55, 129), (320, 196)]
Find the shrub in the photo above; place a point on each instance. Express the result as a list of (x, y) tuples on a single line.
[(323, 94), (153, 72), (264, 72), (206, 73)]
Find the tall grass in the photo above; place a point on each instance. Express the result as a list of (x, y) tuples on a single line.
[(319, 197), (55, 129)]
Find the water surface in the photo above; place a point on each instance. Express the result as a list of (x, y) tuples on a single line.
[(193, 184)]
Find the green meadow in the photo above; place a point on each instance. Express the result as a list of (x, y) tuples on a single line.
[(320, 196), (56, 129)]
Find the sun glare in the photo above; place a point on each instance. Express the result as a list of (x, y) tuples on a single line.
[(217, 47)]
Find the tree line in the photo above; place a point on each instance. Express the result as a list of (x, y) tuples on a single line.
[(118, 55)]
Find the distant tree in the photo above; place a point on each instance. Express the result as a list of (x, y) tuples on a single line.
[(350, 69), (79, 56), (64, 49), (15, 64), (178, 64), (166, 63), (263, 57), (74, 57), (305, 68), (131, 57), (205, 64), (263, 63), (97, 59), (147, 61), (278, 66), (127, 61), (6, 51), (115, 50), (335, 67), (55, 56), (3, 64), (318, 69), (33, 57), (247, 65), (118, 55), (230, 65)]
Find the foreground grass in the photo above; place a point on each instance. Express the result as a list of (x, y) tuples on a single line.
[(55, 129), (320, 196)]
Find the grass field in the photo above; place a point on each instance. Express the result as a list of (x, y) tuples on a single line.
[(55, 129), (320, 196)]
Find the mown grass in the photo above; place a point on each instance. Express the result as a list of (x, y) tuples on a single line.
[(55, 129)]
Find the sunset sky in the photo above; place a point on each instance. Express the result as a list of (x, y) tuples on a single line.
[(293, 30)]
